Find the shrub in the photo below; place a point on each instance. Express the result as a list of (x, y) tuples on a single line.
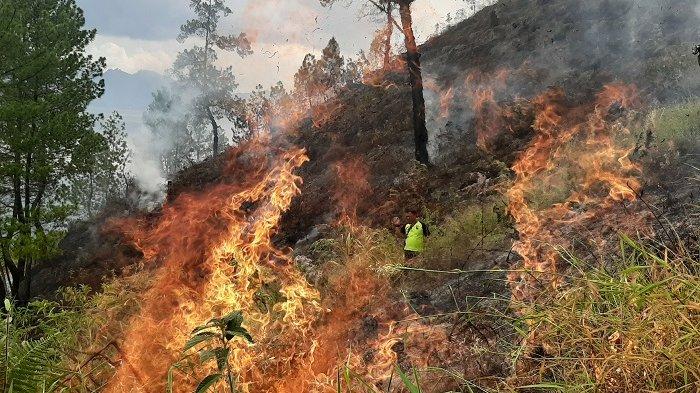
[(470, 233)]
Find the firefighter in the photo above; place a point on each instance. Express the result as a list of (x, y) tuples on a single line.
[(415, 232)]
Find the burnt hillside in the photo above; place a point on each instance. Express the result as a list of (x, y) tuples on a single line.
[(360, 143)]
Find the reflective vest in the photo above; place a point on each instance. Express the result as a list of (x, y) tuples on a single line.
[(415, 241)]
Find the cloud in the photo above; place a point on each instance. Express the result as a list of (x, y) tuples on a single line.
[(140, 19), (132, 55)]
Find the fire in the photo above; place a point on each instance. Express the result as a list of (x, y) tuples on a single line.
[(482, 91), (581, 143), (216, 255), (351, 187)]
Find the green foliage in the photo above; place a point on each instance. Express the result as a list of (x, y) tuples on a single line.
[(47, 137), (35, 340), (212, 342), (106, 175), (469, 233)]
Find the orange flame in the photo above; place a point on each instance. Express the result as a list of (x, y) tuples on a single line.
[(583, 141), (488, 114), (216, 256)]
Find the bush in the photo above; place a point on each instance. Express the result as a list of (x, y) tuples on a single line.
[(469, 234)]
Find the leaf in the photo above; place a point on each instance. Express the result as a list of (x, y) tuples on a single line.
[(221, 358), (413, 388), (198, 338), (206, 355), (207, 383), (239, 332), (233, 319), (8, 305)]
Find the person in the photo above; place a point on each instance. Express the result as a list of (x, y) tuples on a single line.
[(415, 232)]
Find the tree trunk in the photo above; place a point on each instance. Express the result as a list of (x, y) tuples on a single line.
[(24, 292), (215, 131), (389, 33), (420, 131)]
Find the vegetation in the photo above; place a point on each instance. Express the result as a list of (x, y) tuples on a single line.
[(628, 330), (467, 235), (48, 141), (212, 342), (629, 323), (677, 124)]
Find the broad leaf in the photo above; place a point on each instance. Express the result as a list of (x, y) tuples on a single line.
[(199, 338), (207, 383), (221, 358), (239, 332)]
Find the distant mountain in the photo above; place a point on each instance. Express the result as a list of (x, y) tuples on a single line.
[(128, 94)]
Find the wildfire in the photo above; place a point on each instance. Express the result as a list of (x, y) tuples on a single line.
[(482, 88), (580, 143), (216, 255)]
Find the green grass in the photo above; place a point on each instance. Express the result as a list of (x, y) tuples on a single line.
[(680, 123)]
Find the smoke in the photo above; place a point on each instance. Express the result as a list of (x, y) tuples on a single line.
[(145, 165), (579, 46)]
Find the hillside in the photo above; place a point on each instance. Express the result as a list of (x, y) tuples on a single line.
[(557, 127)]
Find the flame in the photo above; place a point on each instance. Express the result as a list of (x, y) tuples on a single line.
[(582, 142), (482, 89), (351, 187), (216, 257)]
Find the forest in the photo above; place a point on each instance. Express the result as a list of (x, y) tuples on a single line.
[(375, 196)]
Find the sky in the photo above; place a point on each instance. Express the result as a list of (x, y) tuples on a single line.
[(141, 34)]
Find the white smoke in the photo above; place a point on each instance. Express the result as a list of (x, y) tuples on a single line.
[(145, 165)]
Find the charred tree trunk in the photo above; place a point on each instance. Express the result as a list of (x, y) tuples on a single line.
[(389, 33), (416, 78), (215, 132)]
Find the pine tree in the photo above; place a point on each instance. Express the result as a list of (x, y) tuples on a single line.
[(47, 137), (196, 67)]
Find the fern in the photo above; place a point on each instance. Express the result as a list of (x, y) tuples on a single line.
[(31, 366)]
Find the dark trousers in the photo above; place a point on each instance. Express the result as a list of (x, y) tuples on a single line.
[(410, 254)]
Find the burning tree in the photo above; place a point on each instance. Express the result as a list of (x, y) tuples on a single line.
[(196, 67)]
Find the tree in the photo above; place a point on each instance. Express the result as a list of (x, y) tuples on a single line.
[(420, 131), (196, 67), (331, 65), (381, 45), (47, 137), (307, 79), (107, 175), (181, 140), (258, 106)]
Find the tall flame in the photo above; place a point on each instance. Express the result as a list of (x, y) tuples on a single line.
[(216, 255), (582, 141)]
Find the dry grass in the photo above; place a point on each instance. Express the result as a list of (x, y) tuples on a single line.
[(635, 330)]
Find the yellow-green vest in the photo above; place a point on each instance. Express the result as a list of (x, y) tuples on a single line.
[(415, 241)]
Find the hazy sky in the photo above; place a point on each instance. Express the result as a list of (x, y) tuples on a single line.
[(140, 34)]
